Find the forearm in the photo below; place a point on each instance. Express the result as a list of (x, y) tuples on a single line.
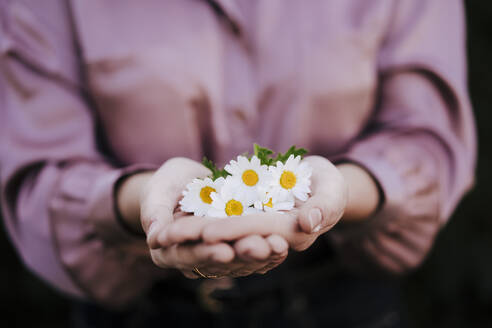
[(363, 199), (128, 199), (364, 196)]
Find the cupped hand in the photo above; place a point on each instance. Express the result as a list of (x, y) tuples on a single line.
[(158, 213), (179, 245), (248, 255), (159, 197), (299, 227)]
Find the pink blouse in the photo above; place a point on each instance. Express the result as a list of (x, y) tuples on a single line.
[(94, 90)]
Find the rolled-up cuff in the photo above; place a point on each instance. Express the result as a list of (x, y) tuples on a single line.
[(111, 265), (399, 235), (104, 211)]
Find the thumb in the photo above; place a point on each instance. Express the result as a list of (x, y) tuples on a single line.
[(319, 214), (329, 198), (164, 189)]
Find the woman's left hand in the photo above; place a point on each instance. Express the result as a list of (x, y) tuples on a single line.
[(299, 227)]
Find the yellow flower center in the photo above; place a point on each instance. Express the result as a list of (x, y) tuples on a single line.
[(233, 207), (205, 194), (269, 203), (288, 180), (250, 178)]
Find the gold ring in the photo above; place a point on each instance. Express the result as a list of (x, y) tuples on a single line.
[(195, 270)]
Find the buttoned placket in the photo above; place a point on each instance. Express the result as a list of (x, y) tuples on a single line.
[(240, 86)]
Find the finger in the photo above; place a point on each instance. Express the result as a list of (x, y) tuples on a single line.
[(248, 268), (165, 189), (220, 271), (185, 229), (310, 218), (278, 244), (241, 273), (263, 224), (180, 214), (320, 213), (329, 195), (217, 269), (260, 267), (280, 249), (153, 233), (272, 264), (189, 256), (190, 274), (241, 268), (252, 248)]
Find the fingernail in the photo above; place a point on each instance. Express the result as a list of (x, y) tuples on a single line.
[(315, 219)]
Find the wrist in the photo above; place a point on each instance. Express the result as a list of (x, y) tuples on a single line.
[(127, 192), (364, 195)]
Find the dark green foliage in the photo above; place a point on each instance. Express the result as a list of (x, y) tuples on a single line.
[(266, 155), (216, 173)]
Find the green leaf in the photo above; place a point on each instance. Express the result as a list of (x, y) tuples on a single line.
[(216, 173), (266, 155), (263, 154), (292, 151)]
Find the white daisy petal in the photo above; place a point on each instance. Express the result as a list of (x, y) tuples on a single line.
[(242, 161), (251, 210), (258, 205), (230, 201), (219, 182), (247, 176), (197, 197), (250, 188), (230, 169), (291, 179), (300, 195), (255, 161), (284, 206), (303, 188)]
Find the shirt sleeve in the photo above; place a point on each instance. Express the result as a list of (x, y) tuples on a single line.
[(420, 144), (57, 190)]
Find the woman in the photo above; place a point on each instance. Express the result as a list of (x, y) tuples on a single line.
[(107, 107)]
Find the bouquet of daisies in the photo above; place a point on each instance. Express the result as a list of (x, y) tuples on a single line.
[(250, 184)]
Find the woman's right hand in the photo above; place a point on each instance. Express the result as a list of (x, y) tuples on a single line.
[(158, 200), (157, 196)]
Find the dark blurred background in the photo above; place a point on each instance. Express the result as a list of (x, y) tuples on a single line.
[(452, 289)]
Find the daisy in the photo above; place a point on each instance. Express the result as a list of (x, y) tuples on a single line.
[(230, 201), (249, 176), (268, 203), (197, 199), (291, 179)]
